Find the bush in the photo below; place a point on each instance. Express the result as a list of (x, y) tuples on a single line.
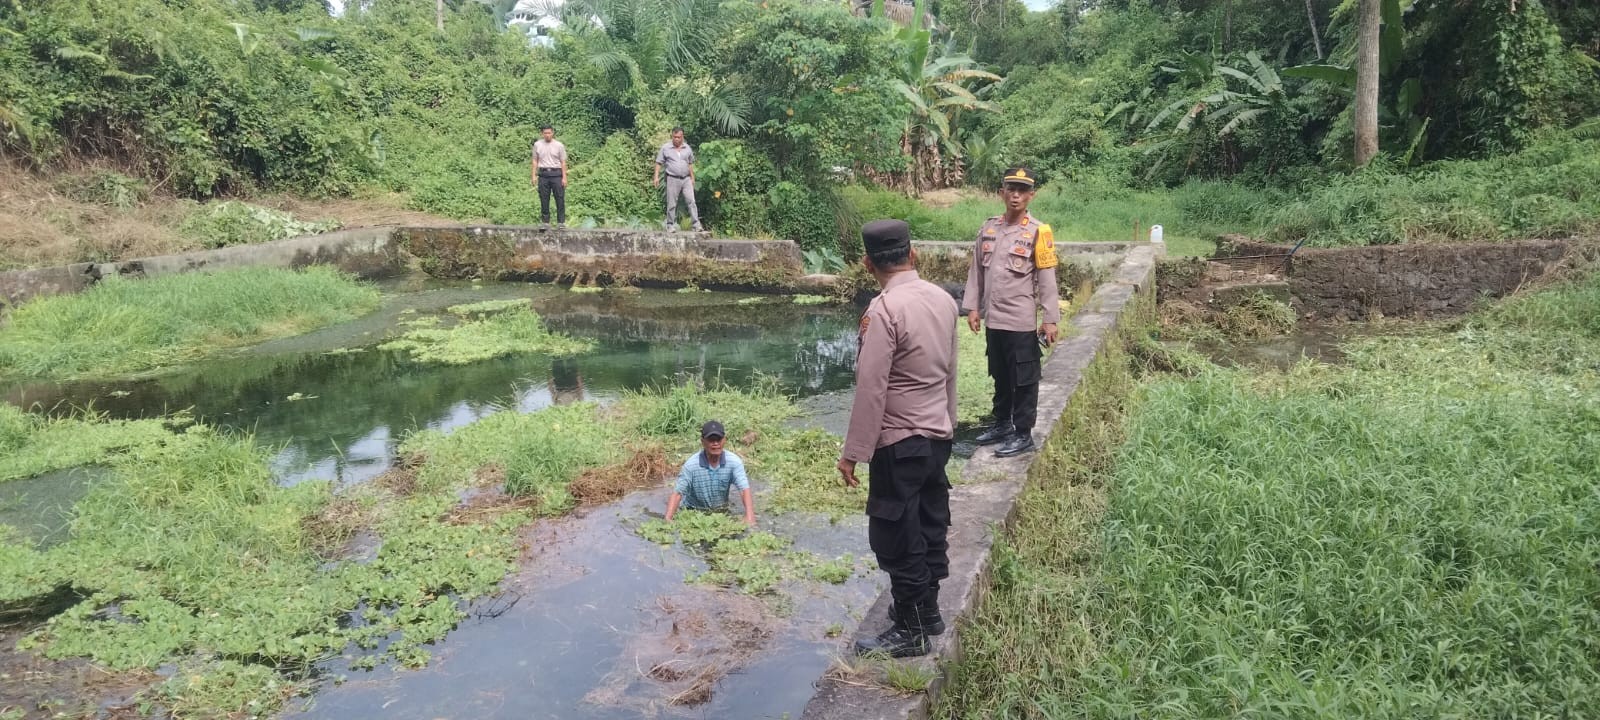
[(803, 215), (104, 187), (240, 223), (1551, 189)]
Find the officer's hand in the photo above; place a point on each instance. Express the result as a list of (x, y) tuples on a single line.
[(563, 182), (847, 470), (1051, 332), (655, 182), (973, 321)]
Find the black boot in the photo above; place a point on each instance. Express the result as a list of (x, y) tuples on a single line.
[(905, 638), (1018, 444), (995, 433), (932, 622)]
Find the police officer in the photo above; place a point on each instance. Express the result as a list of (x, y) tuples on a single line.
[(1013, 273), (901, 423)]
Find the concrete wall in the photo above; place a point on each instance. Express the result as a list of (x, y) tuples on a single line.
[(603, 256), (1405, 280), (365, 252), (986, 501), (505, 253)]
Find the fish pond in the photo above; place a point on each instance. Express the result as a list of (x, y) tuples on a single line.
[(591, 607)]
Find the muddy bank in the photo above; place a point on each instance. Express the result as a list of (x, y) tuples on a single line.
[(1358, 283)]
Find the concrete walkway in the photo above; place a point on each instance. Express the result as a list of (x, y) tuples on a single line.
[(985, 503)]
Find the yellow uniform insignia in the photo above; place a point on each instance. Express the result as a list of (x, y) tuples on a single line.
[(865, 321), (1044, 248)]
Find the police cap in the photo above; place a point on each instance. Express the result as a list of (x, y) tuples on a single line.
[(1020, 176), (881, 236)]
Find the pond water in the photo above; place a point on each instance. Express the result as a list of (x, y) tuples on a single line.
[(357, 405), (592, 600)]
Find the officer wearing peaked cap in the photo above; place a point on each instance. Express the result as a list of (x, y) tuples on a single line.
[(1013, 273), (902, 423)]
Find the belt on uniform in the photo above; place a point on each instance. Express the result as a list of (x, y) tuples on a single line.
[(548, 171), (676, 177)]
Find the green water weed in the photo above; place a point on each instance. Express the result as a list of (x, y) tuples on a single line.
[(488, 307), (503, 331)]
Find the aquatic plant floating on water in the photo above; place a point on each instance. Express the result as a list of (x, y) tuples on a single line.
[(506, 327)]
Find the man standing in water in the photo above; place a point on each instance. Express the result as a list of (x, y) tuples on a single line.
[(705, 477), (1013, 271), (678, 159), (550, 175), (902, 424)]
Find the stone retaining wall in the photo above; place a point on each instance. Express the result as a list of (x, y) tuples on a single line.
[(1354, 283), (986, 503), (603, 257)]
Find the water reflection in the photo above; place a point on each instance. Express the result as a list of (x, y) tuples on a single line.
[(352, 407)]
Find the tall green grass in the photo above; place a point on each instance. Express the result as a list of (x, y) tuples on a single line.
[(32, 444), (123, 326), (1550, 189), (1408, 536), (1191, 215)]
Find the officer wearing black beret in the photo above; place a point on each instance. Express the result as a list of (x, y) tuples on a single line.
[(902, 423)]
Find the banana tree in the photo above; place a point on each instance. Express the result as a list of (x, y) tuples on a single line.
[(939, 90)]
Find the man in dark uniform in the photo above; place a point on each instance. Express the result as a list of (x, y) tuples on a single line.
[(1013, 273), (902, 423)]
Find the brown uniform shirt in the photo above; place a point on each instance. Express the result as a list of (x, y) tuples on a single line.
[(1013, 271), (905, 369)]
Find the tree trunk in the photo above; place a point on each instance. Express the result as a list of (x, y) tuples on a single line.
[(1316, 38), (1366, 109), (438, 14), (1227, 26)]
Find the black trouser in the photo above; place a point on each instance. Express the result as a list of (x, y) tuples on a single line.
[(908, 509), (1014, 365), (550, 183)]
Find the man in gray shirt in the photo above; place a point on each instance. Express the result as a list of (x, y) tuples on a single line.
[(550, 175), (678, 159)]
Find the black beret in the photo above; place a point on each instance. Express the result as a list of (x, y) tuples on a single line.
[(880, 236)]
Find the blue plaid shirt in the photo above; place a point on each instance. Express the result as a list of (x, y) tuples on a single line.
[(706, 488)]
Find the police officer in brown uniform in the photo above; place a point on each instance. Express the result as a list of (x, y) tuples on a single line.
[(1013, 273), (902, 423)]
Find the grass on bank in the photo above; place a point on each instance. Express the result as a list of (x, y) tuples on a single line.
[(33, 444), (1549, 189), (1407, 536), (123, 326)]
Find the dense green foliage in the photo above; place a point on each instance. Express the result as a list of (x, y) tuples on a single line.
[(122, 326), (1404, 536), (785, 99)]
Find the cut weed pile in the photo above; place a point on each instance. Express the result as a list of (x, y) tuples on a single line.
[(124, 326), (1407, 536), (493, 328)]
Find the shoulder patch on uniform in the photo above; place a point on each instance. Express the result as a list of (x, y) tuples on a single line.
[(1044, 248), (865, 321)]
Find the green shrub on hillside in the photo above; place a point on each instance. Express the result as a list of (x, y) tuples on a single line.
[(239, 223), (1551, 189)]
